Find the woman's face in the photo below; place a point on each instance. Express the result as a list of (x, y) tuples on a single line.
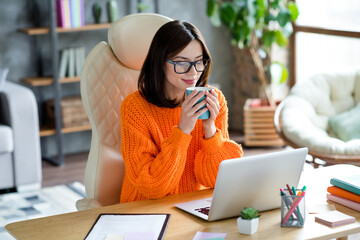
[(175, 84)]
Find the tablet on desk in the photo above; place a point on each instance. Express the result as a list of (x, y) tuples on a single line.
[(131, 226), (249, 182)]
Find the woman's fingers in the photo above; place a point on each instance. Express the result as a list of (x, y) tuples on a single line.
[(214, 97), (195, 99), (197, 107), (200, 112)]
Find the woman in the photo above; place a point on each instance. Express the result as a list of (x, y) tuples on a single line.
[(166, 149)]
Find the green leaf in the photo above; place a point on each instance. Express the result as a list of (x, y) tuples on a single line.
[(249, 213), (287, 30), (279, 73), (227, 14), (251, 7), (274, 4), (210, 8), (261, 4), (261, 9), (268, 38), (251, 20), (240, 3), (215, 17), (281, 40), (269, 17), (283, 17), (294, 11)]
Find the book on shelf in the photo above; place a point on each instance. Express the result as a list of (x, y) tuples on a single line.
[(343, 193), (79, 60), (67, 14), (334, 219), (349, 183), (71, 62), (60, 13), (82, 18), (64, 60), (343, 201), (70, 13)]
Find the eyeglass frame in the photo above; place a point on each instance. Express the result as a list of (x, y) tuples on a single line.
[(191, 64)]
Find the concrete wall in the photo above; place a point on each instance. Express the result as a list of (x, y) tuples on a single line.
[(29, 56)]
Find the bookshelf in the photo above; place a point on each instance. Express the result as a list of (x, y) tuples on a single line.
[(46, 30), (46, 81), (54, 81)]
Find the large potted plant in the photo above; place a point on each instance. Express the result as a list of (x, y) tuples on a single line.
[(255, 25)]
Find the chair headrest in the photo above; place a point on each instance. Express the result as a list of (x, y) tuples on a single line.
[(130, 37)]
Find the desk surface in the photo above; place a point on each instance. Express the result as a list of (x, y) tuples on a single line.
[(184, 226)]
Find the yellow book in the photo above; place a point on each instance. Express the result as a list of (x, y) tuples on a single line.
[(67, 14)]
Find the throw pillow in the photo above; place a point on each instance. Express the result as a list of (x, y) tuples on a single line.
[(346, 125)]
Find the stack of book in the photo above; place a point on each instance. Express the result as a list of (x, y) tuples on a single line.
[(70, 13), (71, 62), (345, 191)]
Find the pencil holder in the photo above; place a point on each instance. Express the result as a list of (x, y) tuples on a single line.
[(292, 210)]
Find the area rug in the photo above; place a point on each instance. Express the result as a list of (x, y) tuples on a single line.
[(44, 202)]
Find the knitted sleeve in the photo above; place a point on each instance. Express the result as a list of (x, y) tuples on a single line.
[(154, 171), (216, 149)]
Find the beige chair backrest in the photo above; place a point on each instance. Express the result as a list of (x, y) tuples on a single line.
[(110, 73)]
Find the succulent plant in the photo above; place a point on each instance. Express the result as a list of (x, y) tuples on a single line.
[(249, 213)]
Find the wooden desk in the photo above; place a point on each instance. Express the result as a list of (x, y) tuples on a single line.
[(184, 226)]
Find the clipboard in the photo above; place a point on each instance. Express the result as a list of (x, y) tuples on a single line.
[(121, 226)]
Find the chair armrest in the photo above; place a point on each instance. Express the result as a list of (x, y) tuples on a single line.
[(86, 203), (24, 121)]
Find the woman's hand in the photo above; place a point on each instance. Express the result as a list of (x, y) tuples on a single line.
[(212, 103), (190, 111)]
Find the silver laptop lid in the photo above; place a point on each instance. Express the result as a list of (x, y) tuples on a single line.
[(255, 181)]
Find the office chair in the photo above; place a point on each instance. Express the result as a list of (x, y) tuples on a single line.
[(110, 73)]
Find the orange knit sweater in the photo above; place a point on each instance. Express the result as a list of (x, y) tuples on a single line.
[(160, 159)]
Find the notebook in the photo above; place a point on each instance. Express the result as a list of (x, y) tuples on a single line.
[(334, 219), (249, 181)]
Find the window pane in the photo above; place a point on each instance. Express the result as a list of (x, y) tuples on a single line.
[(332, 14), (318, 53)]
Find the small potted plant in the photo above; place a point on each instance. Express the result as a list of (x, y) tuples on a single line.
[(248, 221)]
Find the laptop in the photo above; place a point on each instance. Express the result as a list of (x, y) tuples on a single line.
[(253, 181)]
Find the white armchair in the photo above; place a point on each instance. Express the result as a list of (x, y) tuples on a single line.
[(312, 106), (20, 157)]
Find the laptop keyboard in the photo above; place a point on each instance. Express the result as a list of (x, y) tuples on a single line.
[(204, 210)]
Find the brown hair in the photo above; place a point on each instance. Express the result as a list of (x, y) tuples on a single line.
[(168, 41)]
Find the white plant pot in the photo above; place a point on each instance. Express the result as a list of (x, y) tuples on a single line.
[(246, 226)]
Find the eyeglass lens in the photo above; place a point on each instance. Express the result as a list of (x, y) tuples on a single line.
[(183, 66)]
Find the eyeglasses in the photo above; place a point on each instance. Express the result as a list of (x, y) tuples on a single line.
[(181, 67)]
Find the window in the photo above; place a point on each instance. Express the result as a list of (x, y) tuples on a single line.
[(327, 36)]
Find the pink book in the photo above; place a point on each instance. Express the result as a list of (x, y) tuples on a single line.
[(60, 13), (344, 201)]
